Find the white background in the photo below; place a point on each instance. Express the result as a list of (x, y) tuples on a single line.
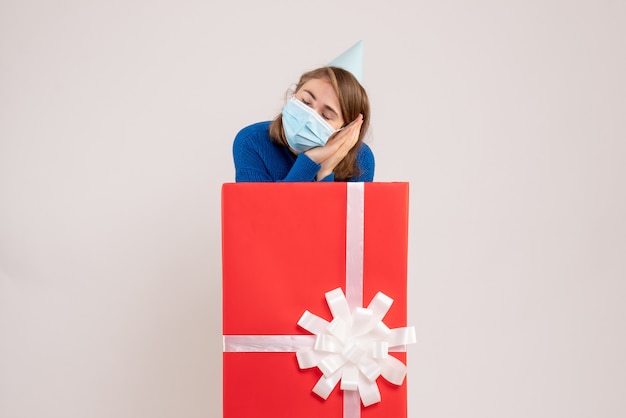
[(116, 125)]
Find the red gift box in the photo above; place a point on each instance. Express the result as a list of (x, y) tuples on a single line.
[(283, 249)]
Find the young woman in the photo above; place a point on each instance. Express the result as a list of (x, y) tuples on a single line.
[(317, 137)]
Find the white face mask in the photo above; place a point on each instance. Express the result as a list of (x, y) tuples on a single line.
[(304, 127)]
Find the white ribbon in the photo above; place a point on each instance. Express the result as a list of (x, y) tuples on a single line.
[(355, 227), (353, 348)]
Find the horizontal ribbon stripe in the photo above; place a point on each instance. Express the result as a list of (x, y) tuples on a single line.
[(276, 343), (267, 343)]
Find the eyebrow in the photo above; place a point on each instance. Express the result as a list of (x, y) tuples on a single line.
[(325, 106)]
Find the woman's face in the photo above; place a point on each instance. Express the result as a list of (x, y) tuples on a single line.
[(319, 94)]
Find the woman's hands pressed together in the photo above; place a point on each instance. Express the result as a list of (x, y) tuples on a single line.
[(336, 148)]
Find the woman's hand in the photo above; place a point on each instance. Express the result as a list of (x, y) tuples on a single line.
[(336, 148)]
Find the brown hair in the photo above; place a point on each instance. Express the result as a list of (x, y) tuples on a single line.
[(352, 100)]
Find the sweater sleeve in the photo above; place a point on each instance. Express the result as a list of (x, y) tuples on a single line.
[(304, 169), (257, 160), (367, 163)]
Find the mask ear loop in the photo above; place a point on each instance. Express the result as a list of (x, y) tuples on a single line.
[(345, 125), (337, 131)]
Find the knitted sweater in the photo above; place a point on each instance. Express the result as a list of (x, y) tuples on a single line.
[(258, 159)]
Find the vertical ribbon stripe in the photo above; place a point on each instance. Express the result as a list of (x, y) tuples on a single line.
[(355, 218), (355, 231)]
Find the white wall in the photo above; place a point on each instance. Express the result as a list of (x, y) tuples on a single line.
[(116, 124)]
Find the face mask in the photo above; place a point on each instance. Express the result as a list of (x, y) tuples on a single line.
[(304, 127)]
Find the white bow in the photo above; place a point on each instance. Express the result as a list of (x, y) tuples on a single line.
[(354, 347)]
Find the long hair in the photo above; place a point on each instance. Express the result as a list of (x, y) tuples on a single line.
[(352, 100)]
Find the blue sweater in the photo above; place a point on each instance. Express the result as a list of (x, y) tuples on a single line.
[(259, 159)]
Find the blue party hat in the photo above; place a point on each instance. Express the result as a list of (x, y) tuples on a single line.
[(351, 60)]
